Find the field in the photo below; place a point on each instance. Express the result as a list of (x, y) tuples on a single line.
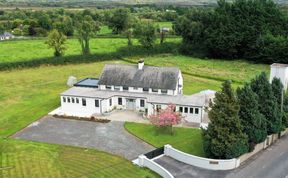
[(27, 50), (185, 139), (28, 94)]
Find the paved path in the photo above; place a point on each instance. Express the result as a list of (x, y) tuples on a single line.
[(270, 163), (109, 137), (125, 116)]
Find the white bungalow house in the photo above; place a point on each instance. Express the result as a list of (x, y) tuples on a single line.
[(133, 87), (6, 36), (279, 71)]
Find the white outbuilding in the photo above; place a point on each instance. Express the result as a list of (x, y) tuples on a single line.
[(279, 71)]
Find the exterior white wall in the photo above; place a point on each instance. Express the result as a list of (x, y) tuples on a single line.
[(281, 73), (191, 117), (212, 164), (143, 161), (197, 118), (77, 109)]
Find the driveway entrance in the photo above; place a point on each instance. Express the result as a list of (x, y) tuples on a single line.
[(109, 137)]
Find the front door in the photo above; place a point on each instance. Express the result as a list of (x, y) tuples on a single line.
[(130, 104)]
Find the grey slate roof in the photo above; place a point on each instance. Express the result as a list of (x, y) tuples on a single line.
[(131, 76), (198, 99)]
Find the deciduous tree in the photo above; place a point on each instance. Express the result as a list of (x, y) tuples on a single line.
[(86, 28), (56, 40), (146, 34), (166, 117)]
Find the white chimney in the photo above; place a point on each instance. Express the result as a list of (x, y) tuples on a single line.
[(140, 64)]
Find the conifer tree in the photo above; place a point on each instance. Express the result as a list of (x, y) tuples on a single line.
[(224, 138), (277, 89), (254, 124), (267, 103)]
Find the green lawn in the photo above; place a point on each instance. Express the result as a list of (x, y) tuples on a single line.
[(27, 50), (185, 139), (31, 159)]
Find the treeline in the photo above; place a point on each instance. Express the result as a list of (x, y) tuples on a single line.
[(245, 29), (243, 119), (40, 22)]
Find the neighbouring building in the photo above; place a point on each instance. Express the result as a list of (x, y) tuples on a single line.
[(134, 87), (279, 71), (6, 36)]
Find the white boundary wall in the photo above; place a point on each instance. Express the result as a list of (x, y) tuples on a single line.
[(212, 164), (143, 161)]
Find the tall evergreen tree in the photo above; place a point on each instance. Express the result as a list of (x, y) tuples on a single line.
[(278, 93), (277, 89), (224, 138), (267, 103), (254, 124)]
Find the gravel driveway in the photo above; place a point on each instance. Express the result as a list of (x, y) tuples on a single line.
[(109, 137)]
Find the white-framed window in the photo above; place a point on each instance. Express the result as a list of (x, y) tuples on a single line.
[(83, 102), (145, 89), (158, 107), (186, 110), (142, 103), (125, 88), (117, 88), (73, 100), (108, 87), (154, 90), (164, 91), (64, 99), (68, 99), (110, 102), (77, 100), (180, 109), (196, 110), (191, 110), (97, 103), (119, 101)]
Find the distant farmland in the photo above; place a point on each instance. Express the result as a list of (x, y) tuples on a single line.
[(119, 2)]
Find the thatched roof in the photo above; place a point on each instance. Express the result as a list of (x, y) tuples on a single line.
[(148, 77)]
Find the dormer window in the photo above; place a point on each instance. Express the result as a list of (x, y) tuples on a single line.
[(117, 88), (155, 90), (146, 89), (164, 91), (125, 88), (108, 87)]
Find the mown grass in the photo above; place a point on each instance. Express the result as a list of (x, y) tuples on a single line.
[(101, 48), (31, 159), (188, 140)]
